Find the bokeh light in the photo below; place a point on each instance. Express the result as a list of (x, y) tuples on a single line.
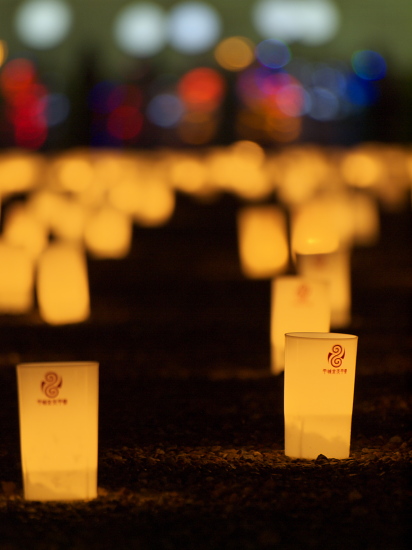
[(165, 110), (193, 27), (273, 53), (312, 22), (369, 65), (235, 53), (202, 88), (140, 29), (43, 24)]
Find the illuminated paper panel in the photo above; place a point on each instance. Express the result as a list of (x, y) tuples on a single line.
[(319, 387), (58, 410), (298, 304)]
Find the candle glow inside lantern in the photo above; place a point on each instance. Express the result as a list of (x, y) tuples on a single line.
[(298, 304), (319, 388), (263, 244), (58, 412), (62, 284)]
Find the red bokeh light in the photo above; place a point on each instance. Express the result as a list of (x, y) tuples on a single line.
[(202, 88)]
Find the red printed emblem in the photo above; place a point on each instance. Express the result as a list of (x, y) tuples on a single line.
[(336, 356), (51, 384)]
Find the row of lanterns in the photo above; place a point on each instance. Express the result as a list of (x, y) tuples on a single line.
[(303, 206)]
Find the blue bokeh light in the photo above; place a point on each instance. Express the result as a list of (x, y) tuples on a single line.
[(273, 53), (369, 65)]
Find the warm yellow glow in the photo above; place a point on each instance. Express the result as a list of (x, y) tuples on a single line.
[(298, 304), (188, 174), (319, 387), (3, 52), (362, 168), (68, 218), (314, 229), (157, 203), (263, 246), (22, 230), (19, 172), (42, 204), (16, 280), (108, 233), (235, 53), (72, 171), (58, 411), (366, 220), (62, 284), (333, 269)]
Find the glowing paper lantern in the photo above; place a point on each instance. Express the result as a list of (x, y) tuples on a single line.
[(333, 269), (314, 230), (62, 285), (21, 229), (16, 280), (366, 220), (108, 233), (298, 304), (263, 246), (319, 387), (58, 410)]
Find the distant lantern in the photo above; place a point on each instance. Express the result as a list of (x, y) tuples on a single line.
[(16, 279), (22, 229), (319, 388), (58, 412), (335, 270), (20, 172), (298, 304), (62, 284), (314, 229), (263, 245), (366, 219), (68, 219), (108, 233)]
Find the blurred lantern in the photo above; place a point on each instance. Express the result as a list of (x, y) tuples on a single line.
[(314, 229), (333, 269), (366, 219), (71, 172), (20, 172), (188, 173), (58, 413), (68, 219), (16, 280), (22, 230), (62, 284), (300, 173), (319, 387), (108, 233), (262, 237), (246, 176), (298, 304)]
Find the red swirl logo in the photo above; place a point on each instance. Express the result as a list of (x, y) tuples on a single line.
[(336, 356), (51, 384)]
